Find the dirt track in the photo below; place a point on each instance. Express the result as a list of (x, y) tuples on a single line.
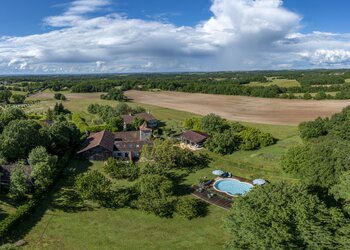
[(241, 108)]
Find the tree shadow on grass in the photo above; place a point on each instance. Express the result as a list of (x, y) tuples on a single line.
[(61, 197), (179, 187)]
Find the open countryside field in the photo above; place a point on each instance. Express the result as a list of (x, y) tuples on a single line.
[(284, 83), (241, 108)]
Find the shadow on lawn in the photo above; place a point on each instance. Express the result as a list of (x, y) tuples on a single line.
[(62, 197)]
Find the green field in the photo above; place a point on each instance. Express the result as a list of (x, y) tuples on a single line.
[(63, 221), (285, 83)]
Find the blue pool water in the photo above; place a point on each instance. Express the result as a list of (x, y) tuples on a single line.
[(232, 186)]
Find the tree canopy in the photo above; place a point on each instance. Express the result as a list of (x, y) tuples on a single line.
[(284, 216)]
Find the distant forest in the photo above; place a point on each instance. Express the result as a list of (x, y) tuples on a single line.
[(312, 84)]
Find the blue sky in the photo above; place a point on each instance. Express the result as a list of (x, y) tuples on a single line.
[(23, 17), (40, 36)]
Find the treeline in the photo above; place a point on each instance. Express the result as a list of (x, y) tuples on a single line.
[(228, 83), (37, 152)]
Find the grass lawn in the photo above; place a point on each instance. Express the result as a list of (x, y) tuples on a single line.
[(347, 80), (285, 83), (63, 221)]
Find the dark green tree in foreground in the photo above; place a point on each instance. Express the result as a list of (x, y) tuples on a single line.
[(94, 186), (19, 182), (156, 195), (285, 216), (341, 190)]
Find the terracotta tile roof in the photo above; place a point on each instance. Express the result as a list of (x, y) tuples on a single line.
[(128, 119), (127, 136), (104, 139), (194, 136)]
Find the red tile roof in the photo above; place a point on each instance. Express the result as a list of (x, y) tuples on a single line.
[(194, 136), (104, 139)]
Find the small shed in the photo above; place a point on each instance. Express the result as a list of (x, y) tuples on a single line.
[(194, 138)]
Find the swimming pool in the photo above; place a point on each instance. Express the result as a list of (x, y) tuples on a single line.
[(232, 186)]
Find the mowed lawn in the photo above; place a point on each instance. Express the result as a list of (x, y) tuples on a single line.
[(63, 221)]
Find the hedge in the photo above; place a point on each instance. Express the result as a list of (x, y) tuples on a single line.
[(23, 211)]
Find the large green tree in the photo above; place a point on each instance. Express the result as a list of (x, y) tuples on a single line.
[(11, 114), (94, 186), (320, 162), (19, 182), (285, 216), (155, 195), (20, 137), (224, 143), (63, 135), (43, 167), (213, 123), (341, 190)]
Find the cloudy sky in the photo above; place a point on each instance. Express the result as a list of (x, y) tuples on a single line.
[(111, 36)]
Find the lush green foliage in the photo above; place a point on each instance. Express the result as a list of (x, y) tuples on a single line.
[(43, 167), (60, 97), (10, 114), (165, 153), (121, 169), (63, 135), (94, 186), (18, 99), (252, 138), (17, 139), (285, 216), (156, 195), (19, 182), (5, 96), (114, 94), (313, 129), (190, 208), (319, 163), (341, 190), (213, 123), (224, 143)]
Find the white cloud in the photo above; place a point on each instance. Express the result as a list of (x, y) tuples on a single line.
[(241, 34)]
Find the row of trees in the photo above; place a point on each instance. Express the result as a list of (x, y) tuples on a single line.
[(227, 137), (337, 125)]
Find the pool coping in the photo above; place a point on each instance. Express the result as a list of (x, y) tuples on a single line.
[(232, 178)]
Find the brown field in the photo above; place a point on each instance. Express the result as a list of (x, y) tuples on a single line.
[(242, 108)]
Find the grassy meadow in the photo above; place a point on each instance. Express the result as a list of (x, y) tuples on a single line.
[(284, 83), (63, 221)]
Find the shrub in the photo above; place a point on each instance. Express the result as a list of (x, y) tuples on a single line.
[(190, 208), (94, 186), (155, 195), (313, 129), (252, 138), (121, 170), (224, 143), (60, 96)]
